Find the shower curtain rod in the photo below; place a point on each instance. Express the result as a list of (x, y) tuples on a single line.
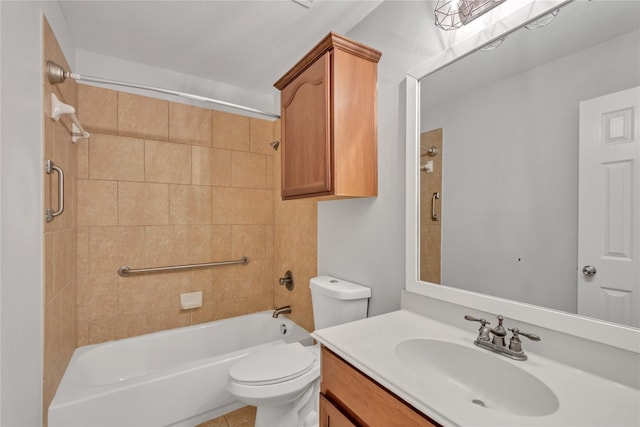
[(57, 74)]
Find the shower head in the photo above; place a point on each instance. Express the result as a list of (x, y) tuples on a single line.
[(275, 145)]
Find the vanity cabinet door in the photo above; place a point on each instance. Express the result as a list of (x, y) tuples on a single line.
[(330, 416), (329, 107), (362, 400)]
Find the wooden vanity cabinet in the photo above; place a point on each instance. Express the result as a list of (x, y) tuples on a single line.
[(329, 134), (350, 398)]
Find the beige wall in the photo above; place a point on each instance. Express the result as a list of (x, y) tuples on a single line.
[(60, 235), (162, 183)]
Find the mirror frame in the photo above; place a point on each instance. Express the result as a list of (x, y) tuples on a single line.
[(620, 336)]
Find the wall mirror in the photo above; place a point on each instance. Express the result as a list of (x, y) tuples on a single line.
[(495, 173)]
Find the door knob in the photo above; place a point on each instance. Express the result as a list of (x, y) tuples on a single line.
[(589, 270)]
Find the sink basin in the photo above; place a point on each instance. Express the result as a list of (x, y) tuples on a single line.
[(478, 377)]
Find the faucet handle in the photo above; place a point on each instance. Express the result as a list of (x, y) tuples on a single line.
[(483, 332), (517, 332), (482, 321)]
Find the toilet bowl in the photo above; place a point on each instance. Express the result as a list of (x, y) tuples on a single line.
[(283, 380)]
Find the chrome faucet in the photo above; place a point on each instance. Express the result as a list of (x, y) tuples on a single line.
[(281, 310), (497, 343)]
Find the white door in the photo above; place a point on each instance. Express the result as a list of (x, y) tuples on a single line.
[(609, 208)]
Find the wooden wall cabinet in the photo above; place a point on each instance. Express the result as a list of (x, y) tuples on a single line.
[(350, 398), (329, 137)]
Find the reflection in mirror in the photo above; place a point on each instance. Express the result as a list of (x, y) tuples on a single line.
[(504, 210)]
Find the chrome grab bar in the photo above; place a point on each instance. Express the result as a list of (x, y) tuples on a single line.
[(125, 271), (49, 167), (434, 215)]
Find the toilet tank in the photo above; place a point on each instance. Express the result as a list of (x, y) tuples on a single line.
[(337, 301)]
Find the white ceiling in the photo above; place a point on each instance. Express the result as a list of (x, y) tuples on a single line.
[(246, 44)]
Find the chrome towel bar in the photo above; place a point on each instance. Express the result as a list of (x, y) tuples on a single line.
[(125, 271), (49, 167)]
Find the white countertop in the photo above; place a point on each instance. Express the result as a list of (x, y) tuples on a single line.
[(369, 345)]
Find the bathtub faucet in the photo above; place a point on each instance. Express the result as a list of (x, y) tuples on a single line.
[(281, 310)]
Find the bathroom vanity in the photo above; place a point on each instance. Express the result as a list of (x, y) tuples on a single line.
[(431, 373), (350, 398), (329, 122)]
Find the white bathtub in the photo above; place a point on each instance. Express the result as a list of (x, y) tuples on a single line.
[(171, 378)]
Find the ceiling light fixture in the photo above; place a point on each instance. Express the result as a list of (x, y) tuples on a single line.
[(453, 14), (493, 45), (542, 21), (305, 3)]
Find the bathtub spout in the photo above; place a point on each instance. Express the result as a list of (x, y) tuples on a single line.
[(281, 310)]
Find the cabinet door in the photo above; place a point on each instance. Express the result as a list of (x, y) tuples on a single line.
[(330, 416), (306, 134)]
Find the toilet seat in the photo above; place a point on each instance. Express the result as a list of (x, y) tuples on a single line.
[(273, 365)]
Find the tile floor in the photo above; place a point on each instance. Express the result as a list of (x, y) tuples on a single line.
[(243, 417)]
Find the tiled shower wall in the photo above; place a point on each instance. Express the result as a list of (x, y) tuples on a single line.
[(162, 183), (59, 297)]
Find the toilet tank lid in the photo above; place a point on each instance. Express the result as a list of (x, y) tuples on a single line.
[(338, 288)]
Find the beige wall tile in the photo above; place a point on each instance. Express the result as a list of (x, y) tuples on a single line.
[(261, 136), (251, 241), (116, 158), (98, 109), (82, 259), (295, 211), (184, 244), (167, 162), (83, 334), (231, 131), (213, 308), (252, 304), (146, 293), (167, 319), (143, 203), (270, 182), (116, 328), (143, 117), (60, 262), (97, 202), (190, 204), (210, 243), (68, 320), (49, 286), (252, 279), (112, 247), (97, 296), (72, 252), (189, 124), (82, 153), (52, 343), (248, 170), (242, 206), (60, 238), (211, 166)]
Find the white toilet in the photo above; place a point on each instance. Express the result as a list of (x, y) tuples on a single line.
[(283, 381)]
